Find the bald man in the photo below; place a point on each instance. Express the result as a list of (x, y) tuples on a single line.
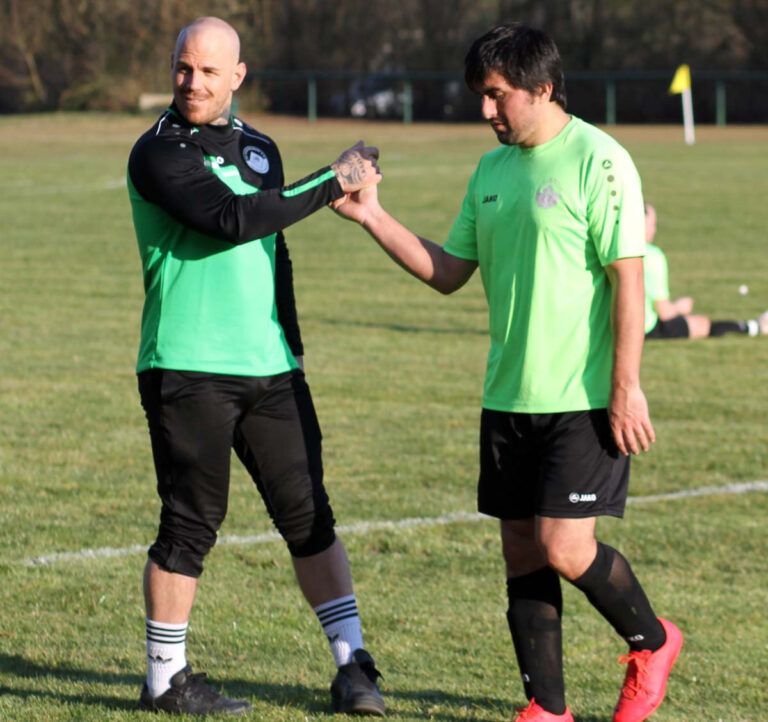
[(220, 364)]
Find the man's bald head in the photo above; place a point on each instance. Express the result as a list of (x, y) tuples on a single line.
[(206, 70), (215, 28)]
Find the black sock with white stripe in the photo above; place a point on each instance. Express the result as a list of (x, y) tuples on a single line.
[(166, 654), (341, 625)]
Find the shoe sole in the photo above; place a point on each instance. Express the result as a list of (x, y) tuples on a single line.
[(362, 705)]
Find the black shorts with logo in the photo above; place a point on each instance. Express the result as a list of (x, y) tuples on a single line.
[(564, 465), (195, 420)]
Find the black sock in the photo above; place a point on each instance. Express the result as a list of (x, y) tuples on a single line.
[(720, 328), (613, 589), (534, 618)]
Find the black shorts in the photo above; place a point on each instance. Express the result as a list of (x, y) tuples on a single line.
[(563, 465), (676, 327), (195, 420)]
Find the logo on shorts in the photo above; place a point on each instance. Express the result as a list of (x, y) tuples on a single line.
[(256, 159), (575, 497)]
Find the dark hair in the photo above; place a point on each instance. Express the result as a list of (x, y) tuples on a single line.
[(524, 56)]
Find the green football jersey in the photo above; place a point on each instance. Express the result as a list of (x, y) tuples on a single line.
[(542, 223), (209, 206), (656, 283)]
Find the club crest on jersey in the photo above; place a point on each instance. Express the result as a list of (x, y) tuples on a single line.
[(256, 159), (547, 194)]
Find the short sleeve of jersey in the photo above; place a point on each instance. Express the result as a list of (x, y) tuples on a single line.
[(615, 212), (462, 238), (656, 274)]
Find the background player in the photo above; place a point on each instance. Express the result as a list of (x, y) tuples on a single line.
[(665, 318)]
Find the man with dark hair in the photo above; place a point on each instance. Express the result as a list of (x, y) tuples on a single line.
[(553, 219), (220, 364), (666, 318)]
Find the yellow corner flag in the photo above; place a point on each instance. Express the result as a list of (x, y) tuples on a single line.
[(682, 80)]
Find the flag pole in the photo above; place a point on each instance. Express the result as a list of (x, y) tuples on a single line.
[(681, 84), (688, 132)]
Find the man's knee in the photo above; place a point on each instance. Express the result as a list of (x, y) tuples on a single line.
[(698, 326), (310, 534), (181, 557), (519, 547), (568, 545)]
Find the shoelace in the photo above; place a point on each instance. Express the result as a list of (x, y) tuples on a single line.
[(198, 688), (637, 671), (371, 672), (527, 712)]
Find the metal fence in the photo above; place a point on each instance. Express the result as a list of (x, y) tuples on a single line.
[(599, 97)]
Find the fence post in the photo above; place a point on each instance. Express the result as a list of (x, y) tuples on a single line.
[(610, 102), (311, 98), (407, 101), (720, 103)]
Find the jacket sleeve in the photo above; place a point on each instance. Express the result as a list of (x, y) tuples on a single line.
[(170, 172)]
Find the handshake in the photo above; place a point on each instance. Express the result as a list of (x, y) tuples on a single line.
[(358, 173)]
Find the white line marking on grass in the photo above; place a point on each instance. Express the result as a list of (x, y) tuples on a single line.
[(364, 527)]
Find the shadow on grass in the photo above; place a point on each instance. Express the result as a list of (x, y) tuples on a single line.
[(430, 704), (17, 666), (398, 327)]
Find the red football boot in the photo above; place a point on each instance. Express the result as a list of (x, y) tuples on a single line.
[(535, 713), (646, 680)]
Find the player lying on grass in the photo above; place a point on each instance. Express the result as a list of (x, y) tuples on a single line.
[(665, 318)]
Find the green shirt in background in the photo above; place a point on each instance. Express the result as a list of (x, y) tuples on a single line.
[(656, 283), (542, 223)]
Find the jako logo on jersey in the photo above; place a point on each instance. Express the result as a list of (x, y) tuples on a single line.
[(490, 199), (547, 195), (256, 159), (575, 498)]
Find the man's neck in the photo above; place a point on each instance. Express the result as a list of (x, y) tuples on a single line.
[(552, 123), (221, 120)]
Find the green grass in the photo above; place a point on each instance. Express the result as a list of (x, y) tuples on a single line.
[(396, 372)]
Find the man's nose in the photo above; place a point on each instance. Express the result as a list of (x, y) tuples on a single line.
[(192, 79), (489, 107)]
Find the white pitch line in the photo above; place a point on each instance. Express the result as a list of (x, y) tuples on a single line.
[(364, 527)]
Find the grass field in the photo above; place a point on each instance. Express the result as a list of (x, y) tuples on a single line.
[(396, 372)]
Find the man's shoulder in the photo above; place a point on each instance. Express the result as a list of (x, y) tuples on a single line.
[(249, 132), (168, 148), (597, 149), (164, 138), (492, 159), (166, 127), (590, 137)]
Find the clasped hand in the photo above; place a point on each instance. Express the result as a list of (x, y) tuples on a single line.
[(356, 168)]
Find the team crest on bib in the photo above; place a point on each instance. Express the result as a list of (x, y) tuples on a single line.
[(256, 159), (548, 194)]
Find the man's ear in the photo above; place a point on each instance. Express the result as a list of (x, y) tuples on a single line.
[(239, 75), (544, 91)]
